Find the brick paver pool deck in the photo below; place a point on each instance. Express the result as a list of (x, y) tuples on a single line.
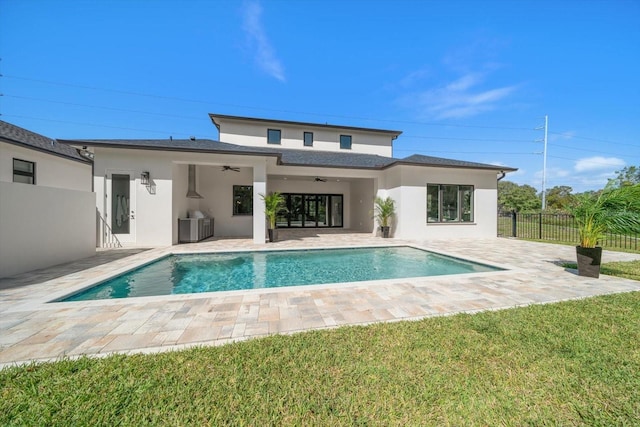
[(31, 328)]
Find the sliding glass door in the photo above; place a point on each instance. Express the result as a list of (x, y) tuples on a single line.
[(311, 211)]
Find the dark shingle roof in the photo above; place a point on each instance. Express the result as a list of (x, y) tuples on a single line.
[(189, 145), (213, 117), (289, 157), (419, 159), (20, 136)]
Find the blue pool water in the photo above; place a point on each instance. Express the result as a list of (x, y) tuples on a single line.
[(194, 273)]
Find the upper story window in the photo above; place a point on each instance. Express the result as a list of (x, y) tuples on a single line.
[(345, 142), (449, 203), (24, 171), (308, 139), (274, 136), (243, 200)]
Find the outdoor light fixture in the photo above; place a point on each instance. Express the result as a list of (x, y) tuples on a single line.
[(144, 178)]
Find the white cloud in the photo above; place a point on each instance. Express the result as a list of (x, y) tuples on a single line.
[(265, 54), (562, 136), (414, 77), (552, 173), (598, 163), (459, 98)]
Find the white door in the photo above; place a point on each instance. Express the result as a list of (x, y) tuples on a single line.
[(120, 205)]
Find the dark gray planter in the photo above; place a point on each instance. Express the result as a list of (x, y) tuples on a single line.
[(385, 232), (273, 234), (589, 261)]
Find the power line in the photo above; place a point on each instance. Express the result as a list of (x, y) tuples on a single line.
[(466, 152), (199, 118), (101, 107), (571, 136), (467, 139), (590, 160), (98, 125), (593, 151), (171, 98)]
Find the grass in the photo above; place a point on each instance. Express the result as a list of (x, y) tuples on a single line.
[(627, 269), (571, 363)]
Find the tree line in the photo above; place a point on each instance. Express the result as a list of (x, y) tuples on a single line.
[(525, 198)]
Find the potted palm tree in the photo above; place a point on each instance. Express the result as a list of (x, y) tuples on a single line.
[(274, 203), (384, 209), (615, 210)]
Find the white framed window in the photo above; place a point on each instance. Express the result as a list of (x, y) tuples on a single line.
[(449, 203)]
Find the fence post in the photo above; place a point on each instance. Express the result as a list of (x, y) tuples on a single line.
[(540, 226), (514, 223)]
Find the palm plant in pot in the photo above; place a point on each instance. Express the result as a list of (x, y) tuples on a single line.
[(274, 203), (384, 209), (614, 210)]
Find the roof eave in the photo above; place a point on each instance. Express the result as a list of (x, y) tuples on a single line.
[(393, 133), (164, 148), (488, 167), (42, 150)]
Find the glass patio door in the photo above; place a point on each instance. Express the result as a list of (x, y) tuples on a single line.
[(311, 211)]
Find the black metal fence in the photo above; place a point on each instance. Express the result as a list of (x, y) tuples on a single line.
[(555, 227)]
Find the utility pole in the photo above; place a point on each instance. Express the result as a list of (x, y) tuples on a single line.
[(544, 164)]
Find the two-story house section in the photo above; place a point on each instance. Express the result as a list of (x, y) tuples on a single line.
[(147, 189), (257, 132)]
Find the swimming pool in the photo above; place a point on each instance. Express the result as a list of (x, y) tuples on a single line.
[(211, 272)]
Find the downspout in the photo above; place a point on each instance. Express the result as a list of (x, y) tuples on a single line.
[(503, 175)]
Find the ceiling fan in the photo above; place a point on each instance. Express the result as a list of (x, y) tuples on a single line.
[(229, 168), (320, 179)]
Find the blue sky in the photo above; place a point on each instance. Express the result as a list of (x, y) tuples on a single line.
[(466, 80)]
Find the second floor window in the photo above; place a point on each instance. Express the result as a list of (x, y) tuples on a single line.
[(24, 171), (273, 136), (345, 142), (308, 139)]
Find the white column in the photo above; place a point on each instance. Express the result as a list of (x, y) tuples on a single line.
[(259, 187)]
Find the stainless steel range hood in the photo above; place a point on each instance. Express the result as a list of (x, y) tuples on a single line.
[(191, 189)]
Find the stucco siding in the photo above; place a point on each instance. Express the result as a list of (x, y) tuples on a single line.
[(44, 226), (51, 170), (408, 187), (255, 135)]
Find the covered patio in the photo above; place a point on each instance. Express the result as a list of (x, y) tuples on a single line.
[(230, 194)]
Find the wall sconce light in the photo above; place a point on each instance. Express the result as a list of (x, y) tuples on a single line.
[(144, 178)]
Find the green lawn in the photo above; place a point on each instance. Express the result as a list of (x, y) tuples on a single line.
[(628, 269), (571, 363)]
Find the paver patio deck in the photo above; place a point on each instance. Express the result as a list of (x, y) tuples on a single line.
[(33, 329)]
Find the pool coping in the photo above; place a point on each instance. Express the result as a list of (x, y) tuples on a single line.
[(51, 302)]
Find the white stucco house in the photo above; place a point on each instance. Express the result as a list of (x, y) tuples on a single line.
[(47, 206), (329, 175)]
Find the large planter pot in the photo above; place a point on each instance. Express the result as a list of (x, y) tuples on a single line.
[(385, 232), (273, 234), (589, 261)]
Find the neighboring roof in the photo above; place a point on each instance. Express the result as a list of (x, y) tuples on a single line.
[(19, 136), (392, 133), (286, 157)]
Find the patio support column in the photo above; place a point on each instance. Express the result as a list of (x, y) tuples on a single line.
[(259, 187)]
